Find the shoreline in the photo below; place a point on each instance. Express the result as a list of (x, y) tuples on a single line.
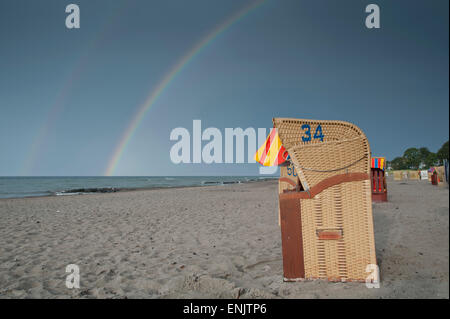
[(123, 190)]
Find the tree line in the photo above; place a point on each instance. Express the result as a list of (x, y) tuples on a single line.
[(418, 158)]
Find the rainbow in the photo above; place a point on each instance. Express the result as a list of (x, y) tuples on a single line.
[(54, 113), (168, 78)]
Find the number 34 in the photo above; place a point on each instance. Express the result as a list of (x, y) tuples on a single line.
[(307, 133)]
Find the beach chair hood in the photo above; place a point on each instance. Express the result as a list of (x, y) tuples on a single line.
[(322, 149)]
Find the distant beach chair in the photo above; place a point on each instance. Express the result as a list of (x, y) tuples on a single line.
[(398, 175), (433, 175), (414, 175), (377, 171), (430, 173), (326, 219), (440, 170)]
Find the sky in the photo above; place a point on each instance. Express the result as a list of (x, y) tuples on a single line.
[(67, 96)]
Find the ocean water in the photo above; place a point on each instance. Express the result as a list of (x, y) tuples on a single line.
[(11, 187)]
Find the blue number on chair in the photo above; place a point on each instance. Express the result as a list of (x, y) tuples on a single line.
[(318, 133), (293, 172), (307, 130)]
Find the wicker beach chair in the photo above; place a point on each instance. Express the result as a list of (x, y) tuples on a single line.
[(441, 175), (326, 222), (414, 175), (378, 179), (398, 175)]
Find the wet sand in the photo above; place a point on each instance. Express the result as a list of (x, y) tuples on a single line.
[(206, 242)]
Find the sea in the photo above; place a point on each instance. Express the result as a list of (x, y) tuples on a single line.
[(16, 187)]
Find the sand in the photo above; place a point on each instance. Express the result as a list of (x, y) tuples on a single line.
[(206, 242)]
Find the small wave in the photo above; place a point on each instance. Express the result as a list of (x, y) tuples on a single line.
[(211, 183), (66, 193), (230, 182), (88, 191)]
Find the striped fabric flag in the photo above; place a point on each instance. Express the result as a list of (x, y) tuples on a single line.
[(271, 153)]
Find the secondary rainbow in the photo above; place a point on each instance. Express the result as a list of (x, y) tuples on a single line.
[(174, 71), (74, 75)]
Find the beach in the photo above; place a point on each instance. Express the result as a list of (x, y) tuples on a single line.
[(207, 242)]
